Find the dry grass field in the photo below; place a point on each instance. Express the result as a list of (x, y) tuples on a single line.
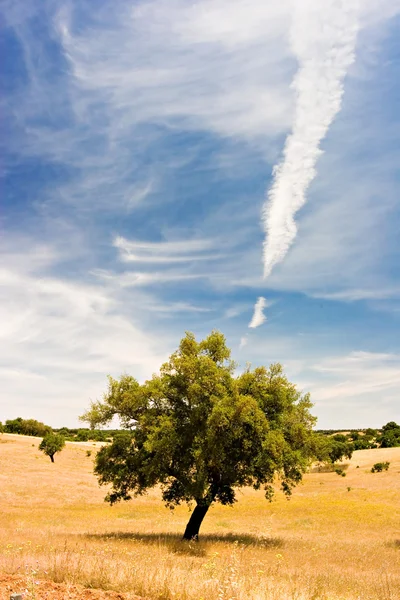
[(337, 538)]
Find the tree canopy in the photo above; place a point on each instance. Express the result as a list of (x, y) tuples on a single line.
[(201, 432), (51, 444), (26, 427), (390, 436)]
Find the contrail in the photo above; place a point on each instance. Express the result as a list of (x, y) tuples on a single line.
[(258, 316), (323, 37)]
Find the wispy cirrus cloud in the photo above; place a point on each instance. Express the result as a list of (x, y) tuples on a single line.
[(358, 374), (62, 337), (166, 252), (131, 279)]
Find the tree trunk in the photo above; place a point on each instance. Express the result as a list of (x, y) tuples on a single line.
[(52, 457), (196, 519)]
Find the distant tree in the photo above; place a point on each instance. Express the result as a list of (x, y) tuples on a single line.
[(330, 451), (390, 426), (390, 436), (64, 431), (13, 425), (201, 432), (27, 427), (339, 437), (1, 427), (364, 443), (371, 433), (51, 444), (83, 435), (33, 427)]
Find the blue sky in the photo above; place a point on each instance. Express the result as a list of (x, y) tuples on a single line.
[(165, 164)]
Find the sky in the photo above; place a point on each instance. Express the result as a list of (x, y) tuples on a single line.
[(171, 166)]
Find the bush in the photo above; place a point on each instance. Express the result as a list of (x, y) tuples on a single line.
[(340, 472), (380, 466)]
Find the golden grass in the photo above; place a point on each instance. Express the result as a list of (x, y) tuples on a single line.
[(337, 538)]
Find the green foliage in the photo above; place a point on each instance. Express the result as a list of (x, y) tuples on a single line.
[(201, 432), (64, 431), (1, 427), (380, 466), (340, 472), (330, 451), (339, 437), (83, 435), (51, 444), (87, 435), (371, 433), (26, 427), (390, 436)]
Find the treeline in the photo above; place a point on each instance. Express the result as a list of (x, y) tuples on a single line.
[(38, 429), (336, 442), (25, 427), (88, 435), (365, 439)]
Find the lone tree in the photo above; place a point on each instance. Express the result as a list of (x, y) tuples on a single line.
[(51, 444), (200, 431)]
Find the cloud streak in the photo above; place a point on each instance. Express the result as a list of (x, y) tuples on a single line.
[(258, 316), (323, 40), (165, 252)]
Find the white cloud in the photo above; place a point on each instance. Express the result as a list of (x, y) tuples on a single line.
[(348, 388), (352, 295), (356, 375), (243, 342), (60, 338), (165, 252), (323, 40), (344, 249), (130, 279), (219, 77), (258, 316)]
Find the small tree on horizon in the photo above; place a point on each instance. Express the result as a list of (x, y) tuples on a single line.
[(201, 432), (51, 444)]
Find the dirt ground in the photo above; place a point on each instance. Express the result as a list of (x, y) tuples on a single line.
[(48, 590)]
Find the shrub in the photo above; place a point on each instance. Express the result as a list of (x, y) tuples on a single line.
[(380, 466), (340, 472)]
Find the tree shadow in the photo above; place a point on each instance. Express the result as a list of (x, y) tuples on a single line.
[(328, 468), (175, 544)]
